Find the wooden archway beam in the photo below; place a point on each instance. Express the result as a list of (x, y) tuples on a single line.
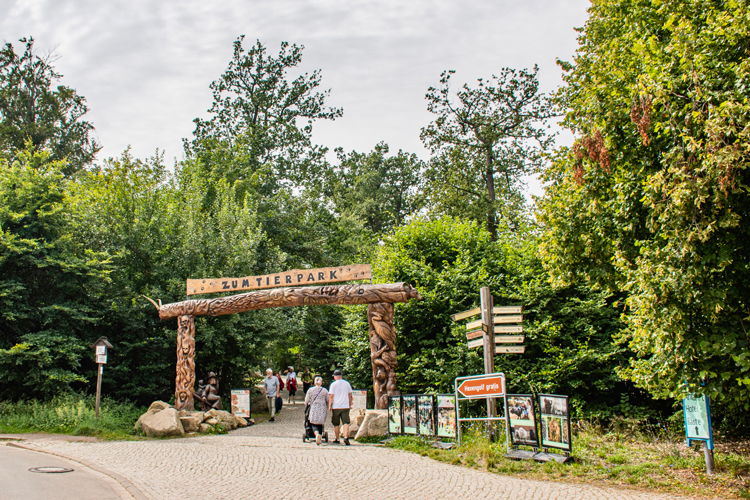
[(287, 297)]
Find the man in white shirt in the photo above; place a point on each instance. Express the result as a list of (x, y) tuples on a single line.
[(340, 401)]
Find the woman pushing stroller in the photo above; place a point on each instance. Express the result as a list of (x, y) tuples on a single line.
[(317, 399)]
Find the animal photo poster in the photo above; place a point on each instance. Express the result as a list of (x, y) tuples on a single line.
[(394, 415), (555, 421), (446, 415), (425, 415), (522, 421), (409, 418)]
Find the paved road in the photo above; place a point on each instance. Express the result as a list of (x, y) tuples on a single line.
[(17, 482), (269, 461)]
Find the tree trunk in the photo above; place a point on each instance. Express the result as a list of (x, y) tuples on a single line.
[(490, 179)]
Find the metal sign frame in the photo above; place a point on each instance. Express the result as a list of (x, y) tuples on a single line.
[(460, 397), (400, 415), (710, 440), (422, 399), (566, 449), (403, 416)]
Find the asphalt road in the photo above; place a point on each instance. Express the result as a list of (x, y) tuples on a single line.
[(17, 483)]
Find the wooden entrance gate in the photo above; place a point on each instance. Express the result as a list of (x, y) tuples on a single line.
[(380, 300)]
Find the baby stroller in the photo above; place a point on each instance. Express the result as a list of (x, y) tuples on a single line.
[(309, 433)]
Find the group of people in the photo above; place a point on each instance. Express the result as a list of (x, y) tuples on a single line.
[(338, 399)]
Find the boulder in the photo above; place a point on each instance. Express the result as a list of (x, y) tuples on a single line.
[(241, 422), (196, 414), (138, 424), (158, 406), (356, 416), (204, 428), (209, 414), (375, 423), (163, 423), (182, 413), (226, 418), (190, 424), (211, 421)]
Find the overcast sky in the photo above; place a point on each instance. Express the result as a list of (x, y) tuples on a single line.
[(144, 66)]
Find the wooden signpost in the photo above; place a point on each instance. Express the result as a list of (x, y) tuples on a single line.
[(295, 277), (100, 351)]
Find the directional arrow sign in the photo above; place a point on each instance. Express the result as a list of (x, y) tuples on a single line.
[(510, 349), (474, 324), (475, 334), (508, 319), (509, 329), (475, 343), (507, 310), (490, 386), (509, 339), (467, 314)]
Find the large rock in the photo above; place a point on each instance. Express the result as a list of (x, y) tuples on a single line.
[(158, 406), (190, 424), (356, 417), (375, 423), (197, 414), (226, 418), (138, 424), (241, 422), (163, 423), (204, 428), (211, 421)]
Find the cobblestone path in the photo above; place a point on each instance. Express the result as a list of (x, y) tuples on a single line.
[(269, 461)]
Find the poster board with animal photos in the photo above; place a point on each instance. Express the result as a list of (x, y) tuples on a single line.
[(555, 422), (409, 414), (394, 415), (426, 415), (445, 412), (522, 420)]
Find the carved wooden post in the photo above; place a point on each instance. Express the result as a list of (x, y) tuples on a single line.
[(382, 352), (185, 381)]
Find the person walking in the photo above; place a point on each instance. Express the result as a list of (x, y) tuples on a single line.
[(340, 401), (291, 383), (271, 388), (317, 398), (307, 380)]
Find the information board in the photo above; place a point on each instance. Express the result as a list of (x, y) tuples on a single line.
[(394, 415), (241, 402), (409, 413), (425, 415), (555, 422), (446, 415), (697, 412), (360, 399), (521, 420)]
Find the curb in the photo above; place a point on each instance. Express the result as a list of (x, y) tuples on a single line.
[(122, 486)]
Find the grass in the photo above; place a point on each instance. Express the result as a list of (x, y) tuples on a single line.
[(646, 460), (71, 414)]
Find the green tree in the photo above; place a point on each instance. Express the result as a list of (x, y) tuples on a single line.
[(653, 198), (51, 286), (380, 190), (261, 119), (30, 109), (484, 144)]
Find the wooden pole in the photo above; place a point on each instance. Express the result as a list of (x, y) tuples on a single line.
[(486, 303), (185, 380), (99, 369)]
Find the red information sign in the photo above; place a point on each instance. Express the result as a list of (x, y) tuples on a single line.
[(482, 387)]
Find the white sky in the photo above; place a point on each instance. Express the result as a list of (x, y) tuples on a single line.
[(145, 66)]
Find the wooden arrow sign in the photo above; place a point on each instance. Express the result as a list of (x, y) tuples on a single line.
[(509, 339), (475, 334), (474, 324), (508, 319), (507, 310), (510, 349), (466, 314), (509, 329), (475, 343)]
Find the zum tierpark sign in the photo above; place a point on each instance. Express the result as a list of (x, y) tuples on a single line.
[(295, 277)]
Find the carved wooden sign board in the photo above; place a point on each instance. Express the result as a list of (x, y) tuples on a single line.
[(295, 277)]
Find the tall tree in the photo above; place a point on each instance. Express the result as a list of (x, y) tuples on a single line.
[(260, 117), (485, 143), (30, 109), (653, 197), (380, 190)]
